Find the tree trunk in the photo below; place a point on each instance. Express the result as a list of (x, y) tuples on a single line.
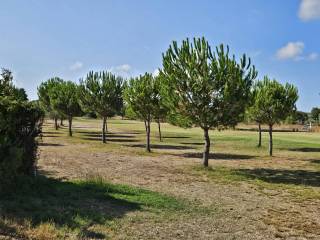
[(206, 147), (70, 125), (61, 121), (159, 127), (56, 123), (148, 149), (259, 143), (270, 140), (104, 122), (145, 125)]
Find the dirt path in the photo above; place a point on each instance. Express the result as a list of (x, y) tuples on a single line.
[(242, 211)]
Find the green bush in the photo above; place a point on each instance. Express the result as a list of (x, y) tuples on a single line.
[(20, 124)]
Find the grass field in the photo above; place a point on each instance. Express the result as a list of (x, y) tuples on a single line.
[(90, 190)]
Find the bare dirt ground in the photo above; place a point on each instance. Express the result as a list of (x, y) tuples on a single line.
[(243, 210)]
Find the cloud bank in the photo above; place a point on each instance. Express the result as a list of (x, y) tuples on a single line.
[(309, 10)]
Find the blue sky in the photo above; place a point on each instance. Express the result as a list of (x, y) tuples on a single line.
[(42, 39)]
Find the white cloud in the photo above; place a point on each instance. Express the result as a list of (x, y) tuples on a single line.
[(124, 70), (309, 10), (292, 50), (313, 56), (76, 66)]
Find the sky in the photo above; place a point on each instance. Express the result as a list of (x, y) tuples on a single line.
[(68, 38)]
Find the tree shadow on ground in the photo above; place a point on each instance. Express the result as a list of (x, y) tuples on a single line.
[(111, 133), (283, 176), (51, 132), (315, 161), (175, 137), (193, 143), (50, 144), (304, 149), (51, 136), (217, 156), (165, 147), (108, 135), (73, 205), (110, 139)]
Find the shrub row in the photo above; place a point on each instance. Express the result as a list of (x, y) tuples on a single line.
[(20, 124)]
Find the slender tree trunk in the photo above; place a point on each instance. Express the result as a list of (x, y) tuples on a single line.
[(145, 125), (270, 140), (61, 121), (104, 121), (148, 149), (206, 147), (159, 127), (70, 125), (56, 123), (259, 143)]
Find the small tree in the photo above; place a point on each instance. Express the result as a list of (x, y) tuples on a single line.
[(141, 97), (255, 114), (102, 94), (45, 94), (160, 109), (7, 87), (315, 114), (208, 89), (64, 97), (274, 102)]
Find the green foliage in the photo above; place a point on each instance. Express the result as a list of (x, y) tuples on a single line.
[(101, 92), (298, 117), (46, 95), (209, 88), (64, 98), (273, 102), (205, 88), (160, 110), (142, 96), (7, 89), (315, 113), (20, 124)]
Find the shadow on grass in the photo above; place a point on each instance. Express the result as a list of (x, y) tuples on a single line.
[(166, 147), (51, 136), (108, 135), (280, 176), (178, 137), (50, 144), (76, 205), (193, 143), (218, 156), (110, 139), (50, 133), (315, 161), (305, 149)]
